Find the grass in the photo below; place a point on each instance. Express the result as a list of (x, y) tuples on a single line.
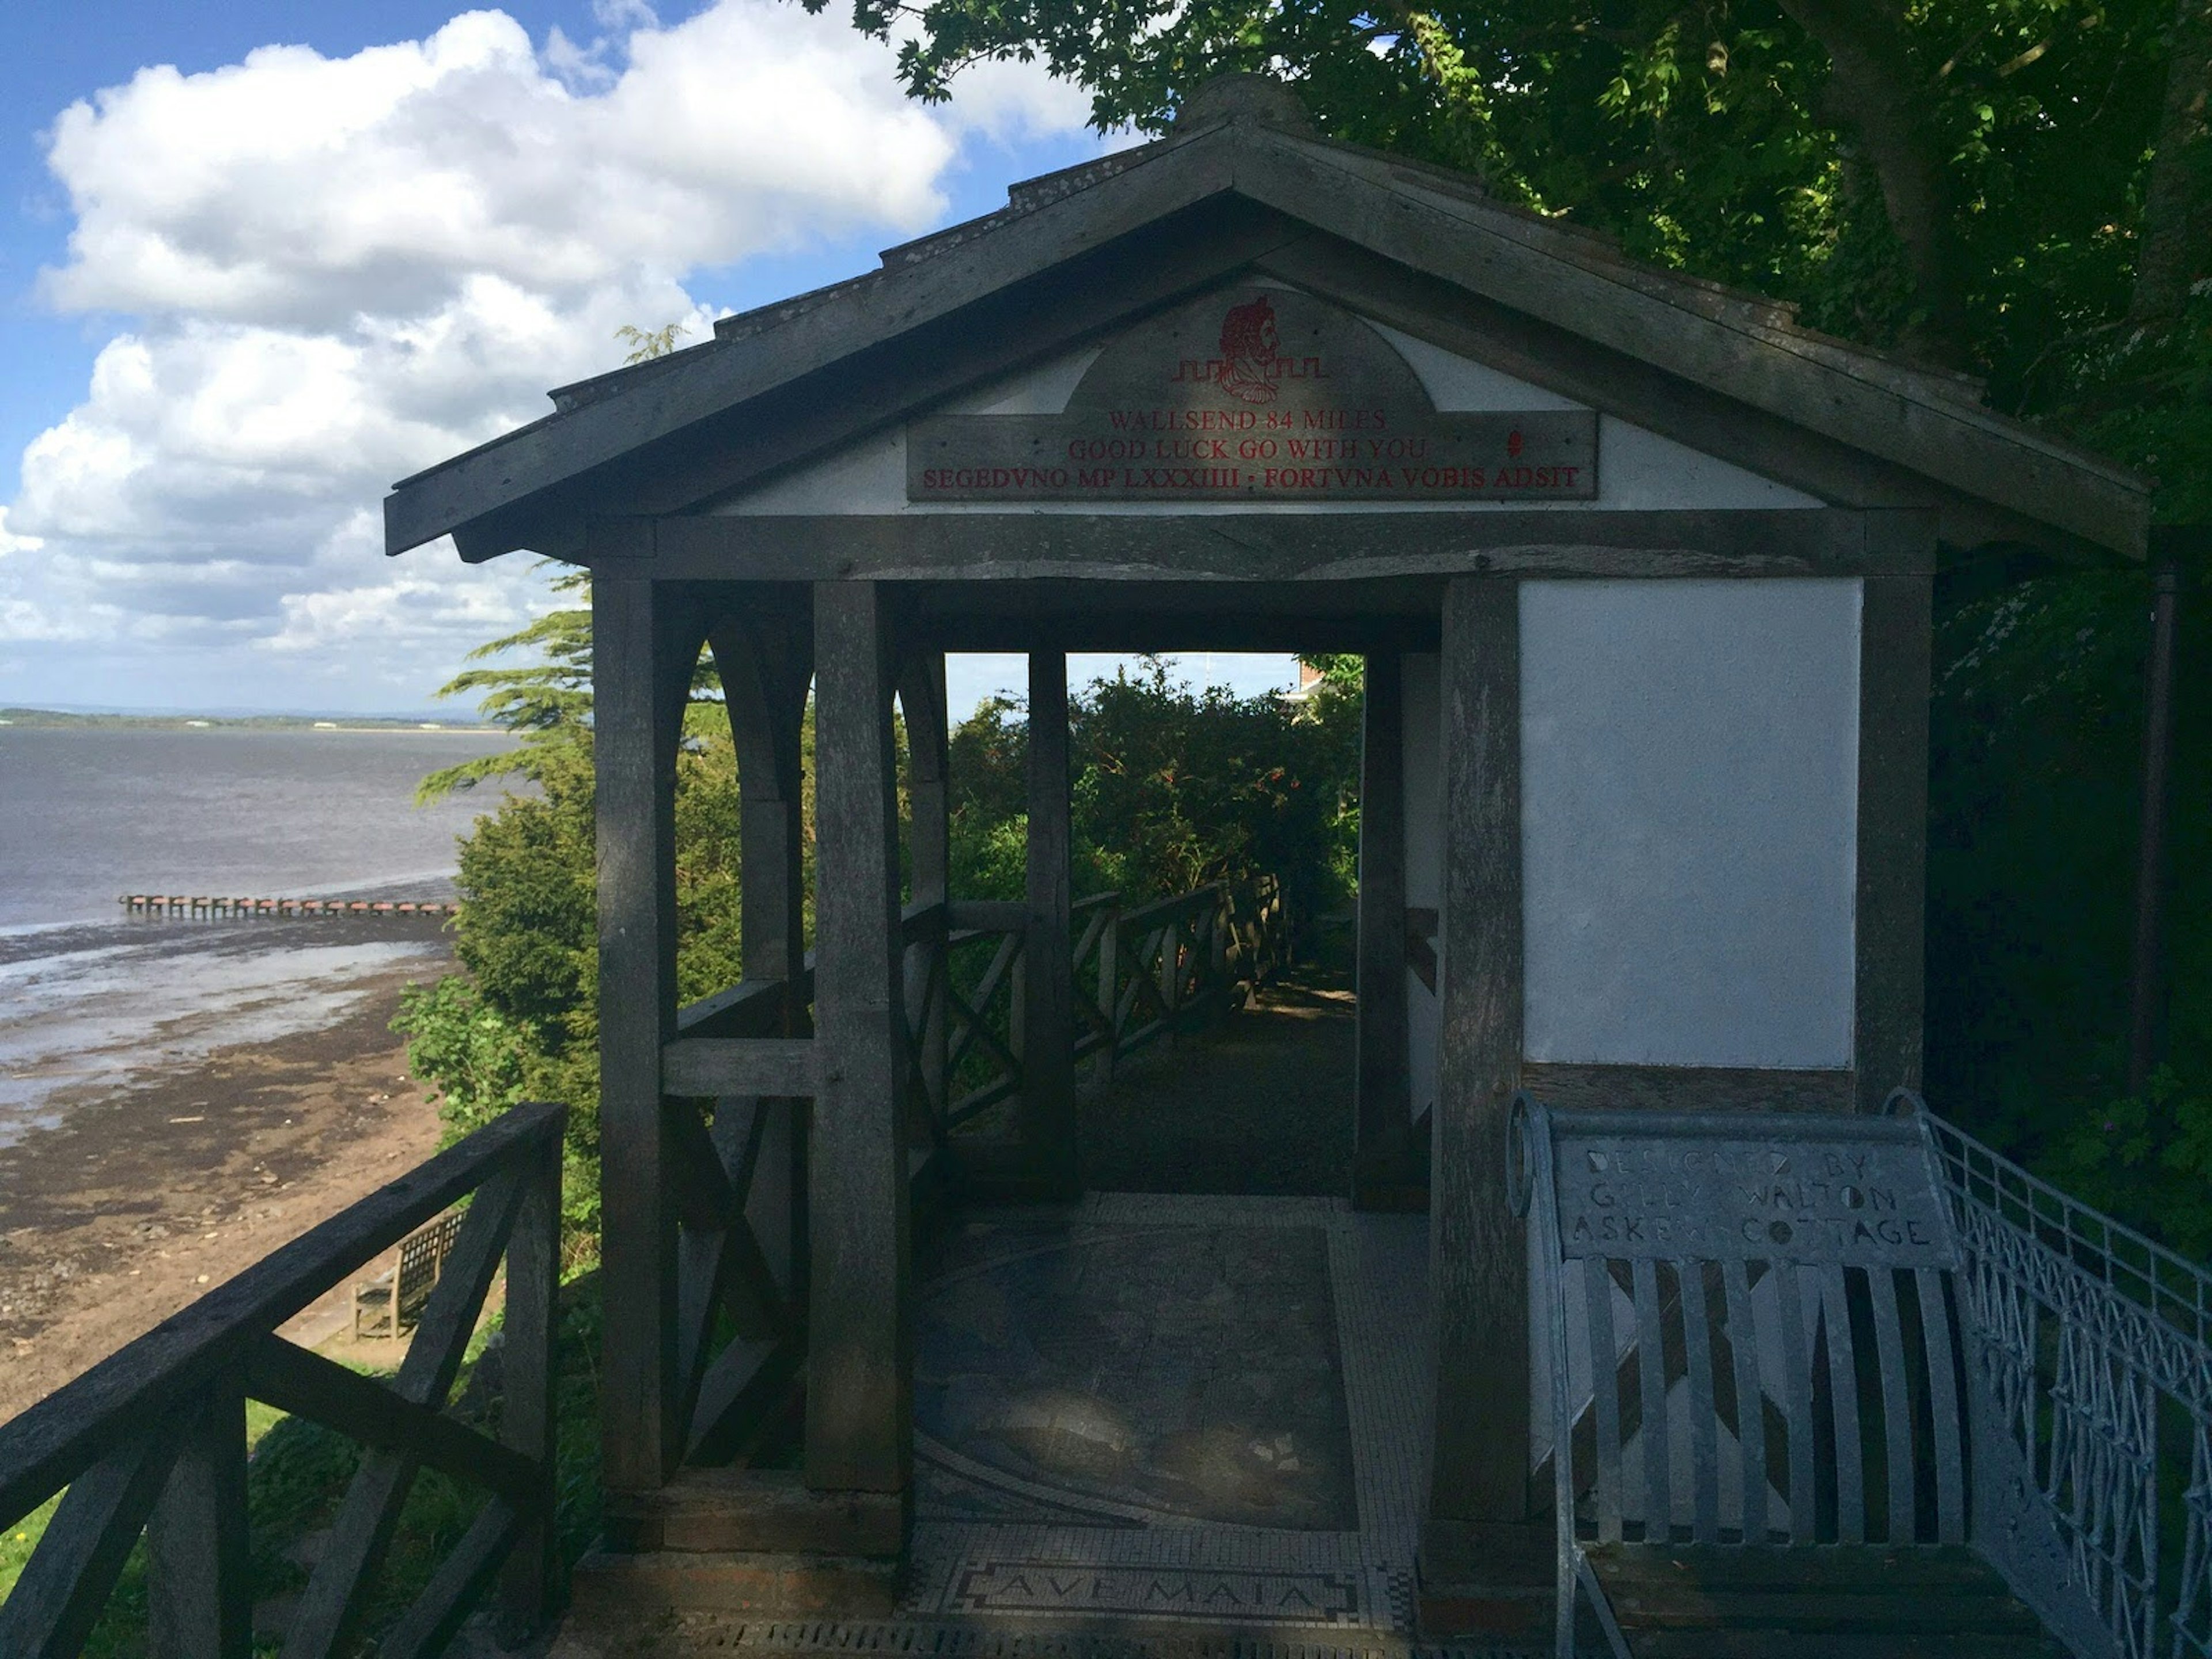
[(298, 1471)]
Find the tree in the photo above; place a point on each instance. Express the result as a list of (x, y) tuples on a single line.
[(1965, 178)]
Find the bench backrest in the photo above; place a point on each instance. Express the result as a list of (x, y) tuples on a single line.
[(1746, 1330)]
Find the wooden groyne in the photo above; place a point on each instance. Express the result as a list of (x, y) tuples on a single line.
[(178, 904)]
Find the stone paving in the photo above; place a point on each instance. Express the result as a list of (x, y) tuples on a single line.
[(1182, 1406)]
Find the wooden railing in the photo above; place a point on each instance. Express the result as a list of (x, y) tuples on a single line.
[(1139, 974), (152, 1440)]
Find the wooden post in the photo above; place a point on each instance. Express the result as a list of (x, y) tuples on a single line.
[(1384, 1121), (1047, 1101), (860, 1369), (530, 1582), (928, 737), (640, 675), (1484, 1566), (764, 656), (199, 1572)]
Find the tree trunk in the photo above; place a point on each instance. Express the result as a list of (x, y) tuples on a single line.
[(1873, 90), (2177, 221)]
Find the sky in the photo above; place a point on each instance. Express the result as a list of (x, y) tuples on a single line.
[(260, 258)]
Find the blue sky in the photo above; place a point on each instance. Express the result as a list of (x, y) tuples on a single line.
[(260, 258)]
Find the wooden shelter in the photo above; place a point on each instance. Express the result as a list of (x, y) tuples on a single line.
[(1640, 572)]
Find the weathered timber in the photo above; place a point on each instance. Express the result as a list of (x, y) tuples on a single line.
[(58, 1598), (52, 1442), (1194, 209), (155, 1436), (1480, 1293), (898, 373), (766, 1509), (1047, 1117), (1579, 1087), (303, 1383), (1384, 1119), (1362, 544), (198, 1564), (1857, 398), (1625, 384), (338, 1587), (860, 1360), (1895, 642), (643, 651), (529, 1582), (703, 1067), (929, 841)]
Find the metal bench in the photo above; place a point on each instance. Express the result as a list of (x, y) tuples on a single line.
[(1754, 1386), (393, 1301)]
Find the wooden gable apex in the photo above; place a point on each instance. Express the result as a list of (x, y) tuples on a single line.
[(1078, 254)]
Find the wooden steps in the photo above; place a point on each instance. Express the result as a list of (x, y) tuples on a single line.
[(1824, 1601)]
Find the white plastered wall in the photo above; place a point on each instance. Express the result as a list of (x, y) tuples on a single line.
[(1689, 794), (1638, 469)]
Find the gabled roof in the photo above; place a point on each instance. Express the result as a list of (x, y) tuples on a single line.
[(1076, 252)]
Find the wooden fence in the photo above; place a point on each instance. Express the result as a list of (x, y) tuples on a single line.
[(152, 1440), (1139, 974), (737, 1078)]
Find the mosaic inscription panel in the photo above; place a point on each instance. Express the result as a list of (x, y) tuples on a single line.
[(1253, 396)]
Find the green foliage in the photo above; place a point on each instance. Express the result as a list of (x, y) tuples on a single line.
[(547, 703), (646, 343), (2035, 822), (1172, 787), (2148, 1160), (1706, 136)]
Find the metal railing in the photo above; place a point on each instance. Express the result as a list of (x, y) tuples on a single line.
[(2092, 1477), (152, 1440)]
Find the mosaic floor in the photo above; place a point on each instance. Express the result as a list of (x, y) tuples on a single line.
[(1185, 1407)]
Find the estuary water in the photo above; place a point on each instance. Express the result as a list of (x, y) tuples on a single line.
[(90, 997)]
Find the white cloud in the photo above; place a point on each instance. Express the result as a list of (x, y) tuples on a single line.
[(11, 543), (330, 272)]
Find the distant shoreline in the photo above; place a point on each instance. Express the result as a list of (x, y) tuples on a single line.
[(52, 719)]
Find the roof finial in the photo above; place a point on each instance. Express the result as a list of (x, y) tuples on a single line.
[(1256, 97)]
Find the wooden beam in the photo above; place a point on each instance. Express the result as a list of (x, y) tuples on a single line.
[(1573, 1086), (1348, 544), (707, 1067), (1385, 1114), (640, 674), (1622, 385), (1048, 1032), (1795, 378), (303, 1383), (1479, 1264), (786, 396), (859, 1360), (1896, 642)]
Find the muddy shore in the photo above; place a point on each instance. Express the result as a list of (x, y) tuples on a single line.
[(149, 1192)]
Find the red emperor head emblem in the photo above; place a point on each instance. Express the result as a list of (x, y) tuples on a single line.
[(1249, 347)]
